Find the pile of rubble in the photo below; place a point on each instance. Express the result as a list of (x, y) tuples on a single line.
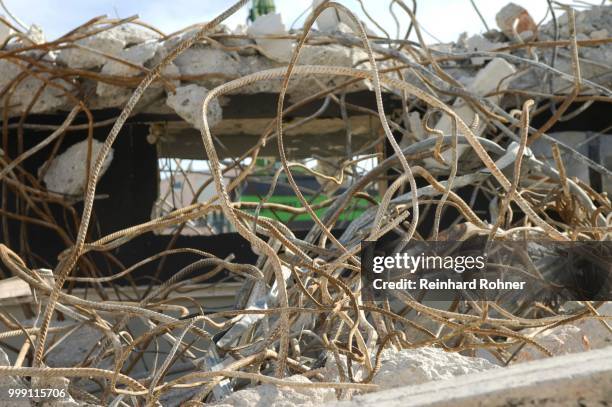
[(302, 332)]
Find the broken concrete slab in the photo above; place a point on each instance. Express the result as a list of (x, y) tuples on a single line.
[(581, 336), (80, 58), (413, 366), (67, 172), (207, 66), (137, 55), (581, 379), (187, 102), (479, 43), (279, 396), (111, 41), (21, 91)]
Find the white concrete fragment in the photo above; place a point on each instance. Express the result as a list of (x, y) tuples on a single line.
[(580, 336), (271, 24), (187, 102), (138, 55), (208, 66), (600, 34), (50, 100), (330, 19), (5, 30), (256, 63), (132, 34), (171, 72), (414, 366), (67, 172), (111, 42), (36, 34), (333, 20), (479, 43), (572, 380), (269, 395), (107, 42), (513, 17)]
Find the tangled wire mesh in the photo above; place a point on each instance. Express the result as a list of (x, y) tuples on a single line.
[(301, 303)]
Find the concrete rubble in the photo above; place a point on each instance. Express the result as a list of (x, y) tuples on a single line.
[(112, 62), (514, 20), (398, 368), (570, 380), (210, 65), (413, 366), (271, 24), (66, 172), (187, 102), (279, 396), (110, 42), (582, 336)]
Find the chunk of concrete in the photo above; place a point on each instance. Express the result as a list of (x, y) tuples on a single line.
[(414, 366), (50, 99), (600, 34), (513, 17), (67, 172), (268, 25), (583, 379), (187, 102), (209, 67), (479, 43), (330, 19), (279, 396), (36, 34), (333, 20), (106, 42), (137, 55), (15, 382), (5, 30), (111, 41), (580, 336), (132, 34)]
